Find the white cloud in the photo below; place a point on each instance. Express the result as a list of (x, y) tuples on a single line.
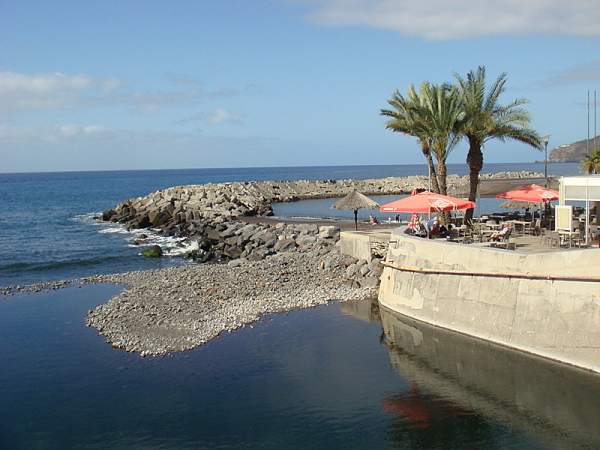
[(223, 116), (23, 92), (444, 19), (217, 117), (20, 91), (52, 134), (11, 82)]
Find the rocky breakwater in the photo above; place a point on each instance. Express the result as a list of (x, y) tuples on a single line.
[(205, 212)]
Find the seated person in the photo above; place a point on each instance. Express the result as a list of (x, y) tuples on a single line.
[(415, 227), (444, 231), (373, 220), (504, 233)]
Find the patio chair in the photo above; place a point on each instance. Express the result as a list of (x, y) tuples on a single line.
[(505, 242), (475, 232), (536, 228), (550, 239)]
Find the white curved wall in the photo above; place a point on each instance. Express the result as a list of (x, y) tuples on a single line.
[(555, 319)]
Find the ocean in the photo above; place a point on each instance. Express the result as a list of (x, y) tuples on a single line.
[(47, 221)]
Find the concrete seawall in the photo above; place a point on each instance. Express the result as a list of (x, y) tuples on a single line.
[(554, 319)]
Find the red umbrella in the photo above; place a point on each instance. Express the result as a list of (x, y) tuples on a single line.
[(425, 202), (532, 193)]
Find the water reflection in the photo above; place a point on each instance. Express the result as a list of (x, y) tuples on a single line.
[(483, 386)]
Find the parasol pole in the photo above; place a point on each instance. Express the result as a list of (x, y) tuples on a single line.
[(429, 213), (587, 211), (356, 219)]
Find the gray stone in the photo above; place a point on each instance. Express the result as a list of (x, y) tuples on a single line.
[(305, 240), (351, 270), (306, 228), (376, 266), (284, 245), (152, 252), (236, 262), (369, 282), (328, 231)]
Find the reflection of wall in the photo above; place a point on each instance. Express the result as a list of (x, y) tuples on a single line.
[(559, 320), (555, 403), (366, 310)]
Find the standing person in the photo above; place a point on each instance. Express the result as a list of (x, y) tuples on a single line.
[(432, 226)]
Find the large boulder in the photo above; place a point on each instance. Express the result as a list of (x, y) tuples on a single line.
[(284, 245), (328, 231), (152, 252), (305, 240), (369, 282), (108, 215), (306, 228)]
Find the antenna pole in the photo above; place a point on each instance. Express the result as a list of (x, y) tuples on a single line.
[(587, 142)]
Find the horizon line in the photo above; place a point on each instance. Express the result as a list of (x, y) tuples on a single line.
[(262, 167)]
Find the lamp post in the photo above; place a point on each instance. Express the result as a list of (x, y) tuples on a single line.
[(545, 140)]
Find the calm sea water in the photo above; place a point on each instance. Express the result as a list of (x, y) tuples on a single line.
[(338, 376), (47, 229)]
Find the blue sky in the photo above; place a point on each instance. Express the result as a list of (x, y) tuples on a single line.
[(154, 84)]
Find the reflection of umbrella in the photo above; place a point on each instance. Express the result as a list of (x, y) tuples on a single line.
[(353, 202), (420, 409), (425, 202), (532, 193)]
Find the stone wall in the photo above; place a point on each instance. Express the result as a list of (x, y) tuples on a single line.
[(555, 319)]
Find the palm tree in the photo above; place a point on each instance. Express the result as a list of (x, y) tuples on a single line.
[(485, 119), (591, 163), (408, 116), (443, 120)]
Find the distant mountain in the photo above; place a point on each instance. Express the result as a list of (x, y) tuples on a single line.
[(572, 152)]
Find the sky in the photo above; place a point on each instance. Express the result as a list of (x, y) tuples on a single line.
[(236, 83)]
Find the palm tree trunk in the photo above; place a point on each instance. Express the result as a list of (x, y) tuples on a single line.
[(442, 173), (427, 152), (475, 163), (434, 180), (441, 177)]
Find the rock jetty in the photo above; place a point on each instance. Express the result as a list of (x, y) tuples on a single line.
[(209, 214)]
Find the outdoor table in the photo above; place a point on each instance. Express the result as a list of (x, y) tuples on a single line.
[(493, 226), (519, 223)]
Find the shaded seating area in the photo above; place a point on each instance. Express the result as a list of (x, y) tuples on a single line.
[(576, 216), (530, 224)]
